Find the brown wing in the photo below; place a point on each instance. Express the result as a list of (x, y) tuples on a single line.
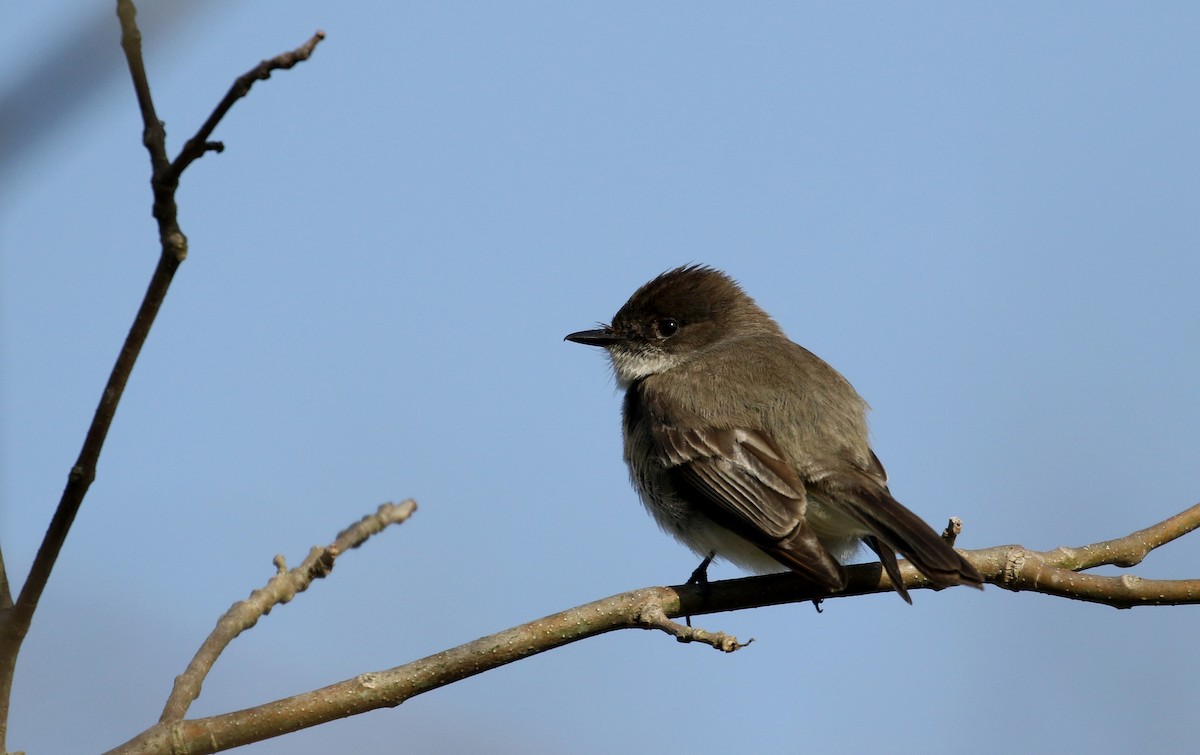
[(740, 480)]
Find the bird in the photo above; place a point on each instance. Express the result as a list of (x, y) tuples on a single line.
[(748, 447)]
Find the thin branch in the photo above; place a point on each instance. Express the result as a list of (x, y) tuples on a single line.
[(654, 617), (281, 588), (199, 144), (389, 688), (1055, 572), (653, 608), (1129, 550), (15, 621), (1028, 571), (154, 135)]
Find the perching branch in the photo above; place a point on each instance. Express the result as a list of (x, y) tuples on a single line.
[(1056, 572), (16, 617), (1011, 567)]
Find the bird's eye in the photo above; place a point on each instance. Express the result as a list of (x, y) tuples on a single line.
[(666, 327)]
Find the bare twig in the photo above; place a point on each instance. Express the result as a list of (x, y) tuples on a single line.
[(654, 617), (653, 608), (279, 589), (199, 144), (952, 531), (15, 620)]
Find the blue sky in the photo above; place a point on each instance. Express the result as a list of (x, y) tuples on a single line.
[(985, 216)]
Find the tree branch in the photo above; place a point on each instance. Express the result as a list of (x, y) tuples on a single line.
[(1056, 572), (199, 144), (16, 619), (1011, 567), (279, 589)]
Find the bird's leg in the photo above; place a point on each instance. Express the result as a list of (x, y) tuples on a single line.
[(700, 573), (700, 579)]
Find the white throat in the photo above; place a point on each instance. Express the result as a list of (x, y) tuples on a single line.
[(631, 366)]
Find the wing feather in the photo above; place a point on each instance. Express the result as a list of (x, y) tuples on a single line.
[(740, 480)]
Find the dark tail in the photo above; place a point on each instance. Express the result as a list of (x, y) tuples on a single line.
[(896, 529)]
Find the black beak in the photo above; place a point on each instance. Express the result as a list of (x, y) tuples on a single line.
[(601, 337)]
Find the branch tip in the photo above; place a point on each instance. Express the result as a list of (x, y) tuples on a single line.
[(952, 531), (652, 616), (280, 589), (199, 144)]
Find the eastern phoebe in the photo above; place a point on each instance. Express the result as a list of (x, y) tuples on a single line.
[(748, 447)]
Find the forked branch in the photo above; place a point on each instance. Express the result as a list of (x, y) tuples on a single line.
[(281, 588), (16, 616), (1011, 567)]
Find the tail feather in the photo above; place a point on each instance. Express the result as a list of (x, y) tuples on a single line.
[(887, 557), (897, 529)]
